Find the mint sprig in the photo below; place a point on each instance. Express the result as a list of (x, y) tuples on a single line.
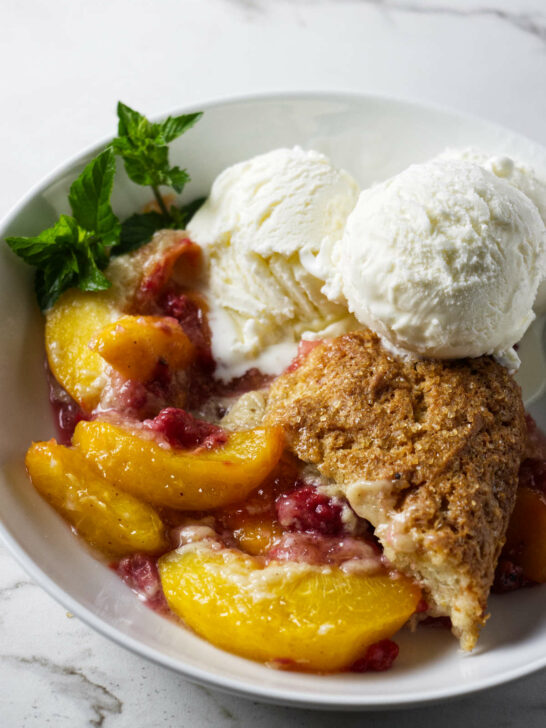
[(89, 198), (75, 250), (143, 146)]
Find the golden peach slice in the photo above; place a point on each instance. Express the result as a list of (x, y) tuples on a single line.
[(182, 479), (70, 325), (321, 618), (134, 345), (112, 521)]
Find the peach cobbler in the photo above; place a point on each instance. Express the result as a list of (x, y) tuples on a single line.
[(289, 420), (300, 521)]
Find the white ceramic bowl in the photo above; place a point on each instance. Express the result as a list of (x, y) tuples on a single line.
[(372, 138)]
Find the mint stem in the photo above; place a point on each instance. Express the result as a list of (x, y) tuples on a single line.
[(160, 201)]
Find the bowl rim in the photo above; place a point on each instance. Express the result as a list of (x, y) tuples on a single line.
[(218, 101), (224, 683)]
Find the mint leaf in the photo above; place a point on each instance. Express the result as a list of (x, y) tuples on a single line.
[(89, 198), (134, 126), (90, 277), (138, 230), (72, 252), (143, 147), (175, 126), (39, 249), (66, 256), (55, 278), (145, 165), (176, 178), (130, 121)]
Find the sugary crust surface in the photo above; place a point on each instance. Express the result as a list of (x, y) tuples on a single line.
[(442, 440)]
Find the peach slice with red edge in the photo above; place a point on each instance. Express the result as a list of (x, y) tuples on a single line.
[(319, 618), (70, 325), (115, 523), (78, 316), (527, 533), (182, 479), (134, 345)]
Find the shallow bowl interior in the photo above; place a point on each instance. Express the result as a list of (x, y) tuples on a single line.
[(372, 138)]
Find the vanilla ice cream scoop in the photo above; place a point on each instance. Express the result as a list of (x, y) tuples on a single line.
[(282, 202), (443, 260), (262, 229), (518, 174)]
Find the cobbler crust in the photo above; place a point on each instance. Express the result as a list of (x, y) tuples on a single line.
[(442, 440)]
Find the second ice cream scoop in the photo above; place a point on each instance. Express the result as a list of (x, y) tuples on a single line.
[(443, 260)]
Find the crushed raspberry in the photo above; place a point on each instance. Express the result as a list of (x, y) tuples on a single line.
[(191, 317), (67, 416), (140, 573), (304, 347), (131, 395), (305, 509), (508, 577), (378, 658), (315, 548), (66, 412), (422, 606), (182, 430)]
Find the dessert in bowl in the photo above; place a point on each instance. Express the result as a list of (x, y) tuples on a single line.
[(298, 507)]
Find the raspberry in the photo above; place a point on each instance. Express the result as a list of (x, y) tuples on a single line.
[(68, 416), (66, 412), (378, 658), (182, 430), (305, 509), (312, 547), (193, 322), (140, 573), (508, 577)]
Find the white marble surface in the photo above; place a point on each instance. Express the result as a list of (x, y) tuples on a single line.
[(64, 65)]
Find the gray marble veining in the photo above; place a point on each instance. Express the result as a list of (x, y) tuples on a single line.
[(532, 22), (73, 684), (529, 22)]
